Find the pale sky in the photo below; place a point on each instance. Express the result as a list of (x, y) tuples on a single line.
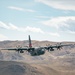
[(52, 20)]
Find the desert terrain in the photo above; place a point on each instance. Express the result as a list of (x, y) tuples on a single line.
[(58, 62)]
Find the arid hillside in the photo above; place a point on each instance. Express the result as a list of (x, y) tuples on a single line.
[(6, 44), (58, 62), (17, 68)]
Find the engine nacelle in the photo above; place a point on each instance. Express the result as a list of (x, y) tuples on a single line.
[(21, 51), (51, 49)]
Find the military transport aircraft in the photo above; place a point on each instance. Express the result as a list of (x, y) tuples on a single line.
[(36, 51)]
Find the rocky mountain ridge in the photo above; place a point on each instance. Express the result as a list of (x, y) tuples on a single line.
[(58, 62)]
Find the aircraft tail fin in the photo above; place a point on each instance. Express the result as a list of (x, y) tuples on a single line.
[(30, 44)]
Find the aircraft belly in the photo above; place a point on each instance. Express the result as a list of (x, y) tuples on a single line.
[(37, 53)]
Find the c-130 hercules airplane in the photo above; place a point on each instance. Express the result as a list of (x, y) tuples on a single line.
[(36, 51)]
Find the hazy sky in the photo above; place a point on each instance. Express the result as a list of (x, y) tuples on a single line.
[(52, 20)]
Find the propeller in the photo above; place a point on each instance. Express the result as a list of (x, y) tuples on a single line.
[(59, 46), (49, 48), (18, 48)]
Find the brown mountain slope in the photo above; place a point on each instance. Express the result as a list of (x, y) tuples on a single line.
[(51, 69), (8, 44), (17, 68), (58, 62)]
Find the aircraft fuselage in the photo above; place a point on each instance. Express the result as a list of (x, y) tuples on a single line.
[(36, 51)]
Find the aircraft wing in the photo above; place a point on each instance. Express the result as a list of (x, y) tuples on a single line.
[(56, 46), (21, 50), (9, 49), (14, 49)]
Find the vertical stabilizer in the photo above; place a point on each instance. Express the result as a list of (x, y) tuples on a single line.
[(30, 44)]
